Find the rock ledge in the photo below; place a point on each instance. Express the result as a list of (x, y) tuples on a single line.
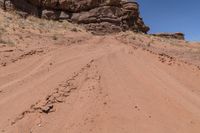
[(177, 35)]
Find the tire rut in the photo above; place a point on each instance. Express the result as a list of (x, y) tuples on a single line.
[(59, 94), (23, 55)]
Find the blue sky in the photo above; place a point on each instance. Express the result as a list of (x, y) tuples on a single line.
[(172, 16)]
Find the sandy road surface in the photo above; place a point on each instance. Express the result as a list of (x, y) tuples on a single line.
[(100, 86)]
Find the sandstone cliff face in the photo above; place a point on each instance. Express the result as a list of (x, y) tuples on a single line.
[(99, 16)]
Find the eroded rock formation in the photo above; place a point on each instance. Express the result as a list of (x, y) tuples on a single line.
[(177, 35), (99, 16)]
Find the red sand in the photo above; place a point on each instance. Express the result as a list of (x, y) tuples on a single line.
[(105, 84)]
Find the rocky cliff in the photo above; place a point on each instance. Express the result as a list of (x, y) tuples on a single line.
[(178, 35), (99, 16)]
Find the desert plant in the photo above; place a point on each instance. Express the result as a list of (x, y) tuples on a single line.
[(7, 42), (55, 37)]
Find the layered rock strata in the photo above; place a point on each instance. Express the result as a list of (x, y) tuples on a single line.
[(177, 35), (106, 16)]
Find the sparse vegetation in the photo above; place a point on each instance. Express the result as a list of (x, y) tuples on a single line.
[(7, 42), (74, 29), (2, 41), (2, 30), (150, 43), (55, 37)]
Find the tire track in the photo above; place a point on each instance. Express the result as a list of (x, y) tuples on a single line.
[(59, 94), (27, 75)]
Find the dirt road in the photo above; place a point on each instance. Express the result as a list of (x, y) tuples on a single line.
[(99, 85)]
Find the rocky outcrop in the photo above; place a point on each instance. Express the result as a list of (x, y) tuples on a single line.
[(177, 35), (74, 5), (99, 16), (20, 5)]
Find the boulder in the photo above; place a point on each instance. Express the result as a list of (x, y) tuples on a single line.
[(55, 15)]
